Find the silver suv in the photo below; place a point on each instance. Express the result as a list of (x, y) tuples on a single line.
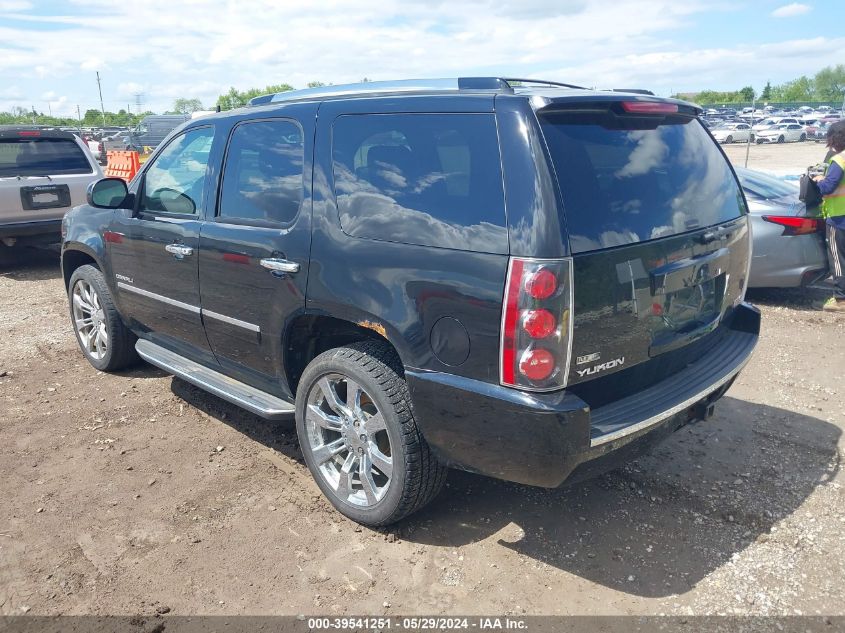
[(43, 173)]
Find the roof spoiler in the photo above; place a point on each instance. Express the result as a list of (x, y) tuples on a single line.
[(636, 91)]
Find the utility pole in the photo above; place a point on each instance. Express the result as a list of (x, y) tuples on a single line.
[(50, 109), (34, 115), (751, 131), (102, 107), (79, 117)]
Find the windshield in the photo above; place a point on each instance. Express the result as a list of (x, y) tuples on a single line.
[(622, 186), (41, 157)]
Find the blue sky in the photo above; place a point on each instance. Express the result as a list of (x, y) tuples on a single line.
[(164, 49)]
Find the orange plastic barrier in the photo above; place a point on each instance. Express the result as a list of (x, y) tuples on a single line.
[(122, 164)]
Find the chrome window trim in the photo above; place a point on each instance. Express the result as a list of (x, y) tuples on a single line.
[(158, 297), (231, 320)]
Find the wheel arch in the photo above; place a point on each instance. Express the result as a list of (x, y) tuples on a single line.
[(75, 255), (309, 335)]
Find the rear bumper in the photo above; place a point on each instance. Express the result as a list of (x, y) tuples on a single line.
[(39, 227), (540, 439)]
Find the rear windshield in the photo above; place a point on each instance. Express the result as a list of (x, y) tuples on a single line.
[(622, 185), (42, 157)]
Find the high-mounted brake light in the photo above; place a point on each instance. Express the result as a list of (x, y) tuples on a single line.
[(795, 226), (536, 330), (649, 107), (29, 133)]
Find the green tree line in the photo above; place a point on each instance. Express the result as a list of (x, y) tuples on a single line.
[(827, 85), (91, 118)]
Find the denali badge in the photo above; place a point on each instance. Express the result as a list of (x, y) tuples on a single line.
[(128, 280), (580, 360), (616, 362)]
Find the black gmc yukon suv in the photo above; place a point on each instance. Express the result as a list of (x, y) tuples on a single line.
[(517, 278)]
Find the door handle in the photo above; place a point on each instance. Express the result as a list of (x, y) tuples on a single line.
[(179, 250), (280, 265)]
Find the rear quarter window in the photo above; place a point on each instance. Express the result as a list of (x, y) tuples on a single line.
[(42, 157), (623, 186), (426, 179)]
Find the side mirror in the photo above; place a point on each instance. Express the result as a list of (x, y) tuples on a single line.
[(108, 193)]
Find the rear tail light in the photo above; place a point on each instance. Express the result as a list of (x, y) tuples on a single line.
[(795, 226), (536, 335), (538, 323)]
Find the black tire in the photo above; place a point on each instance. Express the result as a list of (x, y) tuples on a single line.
[(120, 349), (781, 139), (417, 475), (803, 138), (729, 139)]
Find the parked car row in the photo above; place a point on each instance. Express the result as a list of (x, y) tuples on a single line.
[(769, 130)]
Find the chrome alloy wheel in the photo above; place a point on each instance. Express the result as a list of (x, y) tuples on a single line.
[(348, 439), (89, 319)]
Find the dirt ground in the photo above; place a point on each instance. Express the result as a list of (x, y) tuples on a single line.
[(131, 493)]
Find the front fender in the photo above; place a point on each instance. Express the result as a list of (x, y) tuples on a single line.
[(84, 228)]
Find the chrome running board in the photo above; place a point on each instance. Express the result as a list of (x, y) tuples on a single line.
[(238, 393)]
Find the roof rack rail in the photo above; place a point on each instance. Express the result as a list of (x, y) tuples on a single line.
[(540, 82), (402, 85), (499, 84)]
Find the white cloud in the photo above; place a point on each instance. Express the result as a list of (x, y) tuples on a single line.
[(14, 5), (12, 92), (129, 89), (93, 63), (790, 10)]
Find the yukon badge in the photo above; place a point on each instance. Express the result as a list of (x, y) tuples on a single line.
[(616, 362)]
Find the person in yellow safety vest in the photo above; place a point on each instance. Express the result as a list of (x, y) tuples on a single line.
[(832, 187)]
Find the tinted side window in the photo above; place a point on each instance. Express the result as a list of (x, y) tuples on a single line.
[(428, 179), (175, 181), (262, 178)]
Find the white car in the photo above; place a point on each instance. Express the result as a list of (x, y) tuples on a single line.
[(772, 121), (733, 132), (782, 133)]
